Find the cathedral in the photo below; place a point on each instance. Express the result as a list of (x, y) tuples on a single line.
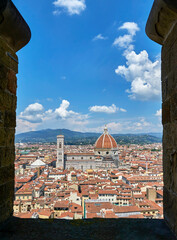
[(105, 155)]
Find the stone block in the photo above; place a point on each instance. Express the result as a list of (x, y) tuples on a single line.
[(167, 171), (12, 82), (166, 116), (2, 118), (6, 174), (3, 77), (10, 137), (2, 155), (6, 192), (8, 101), (167, 136), (6, 209), (8, 57), (2, 137), (9, 157), (173, 107), (170, 208), (10, 119)]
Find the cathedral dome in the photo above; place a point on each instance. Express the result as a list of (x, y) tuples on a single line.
[(105, 141)]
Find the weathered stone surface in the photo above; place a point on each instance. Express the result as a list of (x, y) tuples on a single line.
[(6, 209), (7, 100), (5, 52), (167, 173), (12, 82), (174, 107), (2, 137), (89, 229), (6, 191), (9, 156), (170, 208), (166, 117), (14, 34), (10, 119), (6, 174)]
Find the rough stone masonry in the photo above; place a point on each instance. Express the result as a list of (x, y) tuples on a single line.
[(14, 34), (162, 28)]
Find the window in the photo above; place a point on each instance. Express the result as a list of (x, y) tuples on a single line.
[(107, 152), (72, 157), (60, 145), (81, 157)]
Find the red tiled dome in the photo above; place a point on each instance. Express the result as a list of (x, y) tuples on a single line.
[(106, 141)]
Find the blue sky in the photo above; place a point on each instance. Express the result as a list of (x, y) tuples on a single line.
[(89, 63)]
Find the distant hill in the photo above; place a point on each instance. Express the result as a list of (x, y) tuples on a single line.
[(76, 138)]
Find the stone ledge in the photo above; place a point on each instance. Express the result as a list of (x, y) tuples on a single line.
[(89, 229), (13, 27), (161, 20)]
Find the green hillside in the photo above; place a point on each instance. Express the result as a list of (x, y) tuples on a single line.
[(76, 138)]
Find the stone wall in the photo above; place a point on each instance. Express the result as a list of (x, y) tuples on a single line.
[(8, 84), (169, 120), (14, 34), (162, 28)]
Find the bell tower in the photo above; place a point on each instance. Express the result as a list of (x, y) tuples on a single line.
[(60, 151)]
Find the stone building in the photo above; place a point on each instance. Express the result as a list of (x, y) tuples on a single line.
[(105, 155)]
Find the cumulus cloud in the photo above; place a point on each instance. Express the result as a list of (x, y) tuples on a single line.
[(63, 111), (131, 27), (126, 40), (70, 6), (33, 113), (143, 74), (99, 37), (104, 109)]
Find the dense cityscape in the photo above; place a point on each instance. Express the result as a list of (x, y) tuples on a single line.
[(133, 190)]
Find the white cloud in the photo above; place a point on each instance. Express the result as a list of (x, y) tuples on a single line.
[(104, 109), (159, 113), (131, 27), (34, 116), (71, 6), (99, 37), (138, 125), (62, 111), (33, 113), (123, 41), (143, 74), (126, 40), (25, 126), (123, 110), (56, 12)]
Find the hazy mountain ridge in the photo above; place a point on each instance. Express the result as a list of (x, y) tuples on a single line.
[(73, 137)]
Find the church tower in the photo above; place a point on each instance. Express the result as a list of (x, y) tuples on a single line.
[(60, 151)]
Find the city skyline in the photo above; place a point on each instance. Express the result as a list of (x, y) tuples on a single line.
[(89, 64)]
